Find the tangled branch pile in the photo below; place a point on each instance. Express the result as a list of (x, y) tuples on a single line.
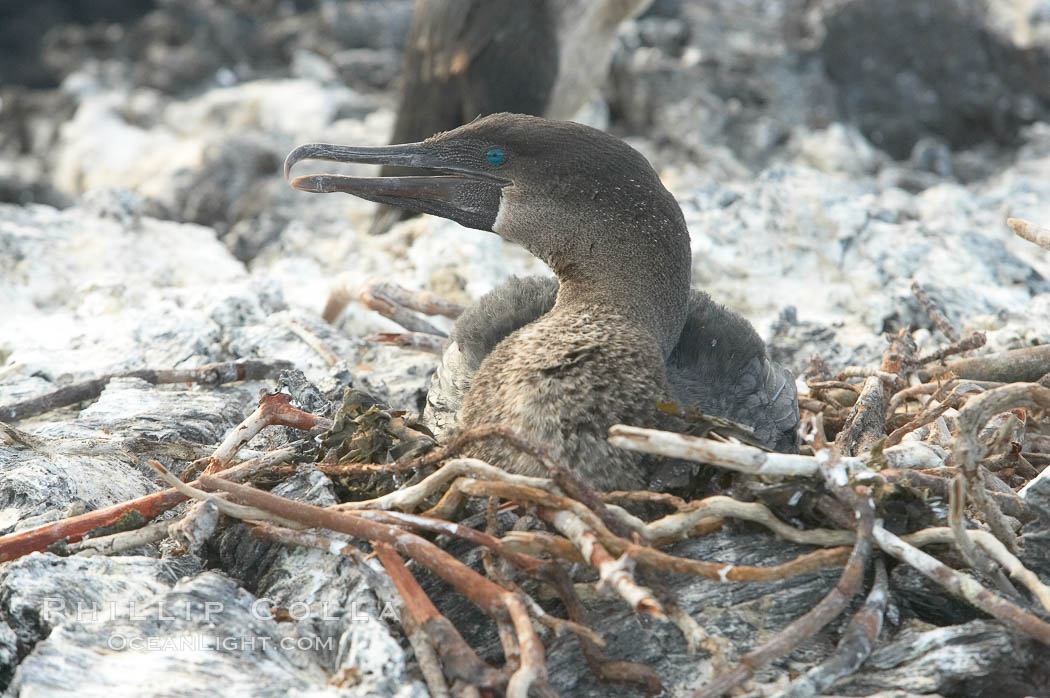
[(971, 432)]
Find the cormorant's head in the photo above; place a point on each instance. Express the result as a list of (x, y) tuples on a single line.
[(563, 190)]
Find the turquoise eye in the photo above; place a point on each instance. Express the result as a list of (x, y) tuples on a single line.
[(495, 156)]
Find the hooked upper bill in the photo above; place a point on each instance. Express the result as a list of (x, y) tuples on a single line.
[(458, 191)]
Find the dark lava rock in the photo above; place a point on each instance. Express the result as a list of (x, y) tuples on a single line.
[(22, 24), (179, 46), (29, 127), (224, 190), (908, 69)]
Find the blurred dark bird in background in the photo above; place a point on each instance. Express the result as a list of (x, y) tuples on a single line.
[(470, 58)]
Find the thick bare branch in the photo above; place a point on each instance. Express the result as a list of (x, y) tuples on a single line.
[(963, 586), (210, 375), (15, 545)]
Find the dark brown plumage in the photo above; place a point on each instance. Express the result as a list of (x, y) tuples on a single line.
[(623, 320)]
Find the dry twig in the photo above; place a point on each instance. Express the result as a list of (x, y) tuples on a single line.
[(963, 586), (15, 545), (974, 341), (854, 646), (935, 312), (395, 303), (211, 375), (611, 572), (119, 542), (739, 457), (820, 615), (487, 595), (1025, 365), (1031, 232), (866, 423), (968, 451), (275, 409), (432, 344)]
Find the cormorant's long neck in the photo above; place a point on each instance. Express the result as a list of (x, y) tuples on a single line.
[(615, 238), (642, 276)]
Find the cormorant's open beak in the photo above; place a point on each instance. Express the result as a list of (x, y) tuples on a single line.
[(464, 194)]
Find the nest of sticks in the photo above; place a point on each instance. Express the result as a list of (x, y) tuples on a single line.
[(963, 437)]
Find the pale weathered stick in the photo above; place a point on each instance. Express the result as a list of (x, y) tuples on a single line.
[(754, 461), (420, 301), (739, 457), (410, 498), (677, 525), (611, 572), (384, 299), (119, 542), (963, 586), (1031, 232), (311, 340), (991, 545), (237, 511), (275, 409)]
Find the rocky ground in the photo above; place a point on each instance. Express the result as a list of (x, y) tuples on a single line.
[(823, 167)]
